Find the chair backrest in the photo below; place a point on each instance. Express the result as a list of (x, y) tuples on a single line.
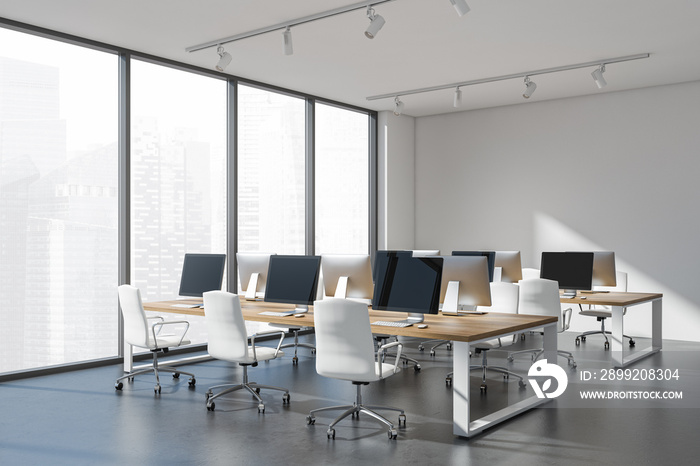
[(344, 344), (227, 334), (539, 296), (504, 298), (530, 273), (135, 323)]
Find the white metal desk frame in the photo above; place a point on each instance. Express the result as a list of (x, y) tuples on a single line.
[(617, 345)]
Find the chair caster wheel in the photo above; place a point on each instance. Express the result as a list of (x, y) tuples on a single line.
[(421, 348), (402, 418), (521, 384), (118, 386), (632, 343), (607, 345), (416, 368), (392, 434), (448, 381), (432, 352), (510, 358), (176, 375), (331, 433), (295, 361), (583, 339), (156, 389), (577, 341), (505, 376), (192, 382), (310, 420), (211, 406), (313, 350), (261, 408), (285, 399), (449, 346), (483, 387)]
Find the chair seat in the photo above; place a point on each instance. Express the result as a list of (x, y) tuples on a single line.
[(387, 370), (263, 353), (166, 341), (596, 313)]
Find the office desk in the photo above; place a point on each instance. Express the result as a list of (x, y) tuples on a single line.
[(463, 330), (618, 301)]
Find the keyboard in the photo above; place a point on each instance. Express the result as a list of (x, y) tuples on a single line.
[(276, 314), (385, 323)]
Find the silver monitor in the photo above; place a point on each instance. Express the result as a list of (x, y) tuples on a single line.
[(604, 268), (252, 273), (347, 275), (425, 252), (465, 282), (511, 268)]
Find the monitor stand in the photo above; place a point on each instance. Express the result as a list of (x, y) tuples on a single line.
[(252, 287), (301, 309), (413, 318), (569, 294)]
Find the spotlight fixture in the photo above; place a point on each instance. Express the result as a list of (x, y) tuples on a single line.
[(224, 58), (598, 77), (398, 106), (375, 23), (287, 35), (461, 7), (529, 87), (458, 98)]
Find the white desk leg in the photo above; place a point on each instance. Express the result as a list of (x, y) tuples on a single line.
[(656, 324), (617, 340), (128, 357), (460, 388), (549, 344)]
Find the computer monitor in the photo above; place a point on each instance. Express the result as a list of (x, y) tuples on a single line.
[(252, 273), (425, 252), (201, 273), (383, 254), (293, 280), (408, 284), (490, 256), (465, 282), (604, 273), (511, 268), (573, 270), (347, 275)]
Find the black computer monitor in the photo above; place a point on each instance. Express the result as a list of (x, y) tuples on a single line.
[(490, 257), (201, 273), (573, 270), (408, 284), (293, 280), (383, 255)]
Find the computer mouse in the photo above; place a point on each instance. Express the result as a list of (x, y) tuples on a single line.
[(422, 326), (298, 315)]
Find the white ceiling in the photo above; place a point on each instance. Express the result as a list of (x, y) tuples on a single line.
[(424, 43)]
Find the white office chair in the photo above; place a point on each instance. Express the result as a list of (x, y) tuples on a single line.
[(504, 299), (530, 273), (138, 332), (603, 312), (539, 296), (228, 341), (345, 350)]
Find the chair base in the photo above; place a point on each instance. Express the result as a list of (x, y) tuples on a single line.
[(354, 410), (252, 387), (296, 345), (582, 337), (484, 366), (156, 369), (438, 343), (537, 353)]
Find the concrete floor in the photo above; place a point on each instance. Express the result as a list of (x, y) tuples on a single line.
[(78, 418)]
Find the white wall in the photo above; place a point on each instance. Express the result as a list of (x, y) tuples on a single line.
[(615, 171), (396, 186)]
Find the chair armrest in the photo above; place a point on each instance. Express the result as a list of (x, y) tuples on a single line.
[(266, 332), (160, 318), (162, 324), (380, 354), (566, 320)]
